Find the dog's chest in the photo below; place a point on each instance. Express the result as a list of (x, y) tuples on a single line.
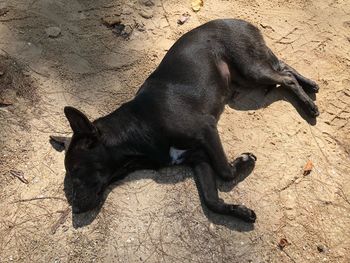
[(176, 155)]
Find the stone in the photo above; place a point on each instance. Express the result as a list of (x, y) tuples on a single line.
[(4, 11), (128, 30), (146, 13), (53, 31), (111, 21), (147, 2), (8, 97), (211, 227)]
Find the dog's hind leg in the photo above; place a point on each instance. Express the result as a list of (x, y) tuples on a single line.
[(206, 183), (308, 84), (264, 75)]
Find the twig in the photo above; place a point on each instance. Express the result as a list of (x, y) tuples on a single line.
[(288, 42), (284, 37), (60, 221), (292, 259), (266, 26), (341, 193), (165, 13), (294, 180), (16, 18), (19, 175), (318, 145), (96, 8), (37, 72), (38, 198)]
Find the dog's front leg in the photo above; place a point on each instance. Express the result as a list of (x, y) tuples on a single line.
[(211, 142), (206, 183)]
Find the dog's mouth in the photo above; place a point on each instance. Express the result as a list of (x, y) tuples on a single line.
[(82, 206), (77, 209)]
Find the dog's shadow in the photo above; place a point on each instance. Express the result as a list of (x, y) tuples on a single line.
[(250, 99), (254, 99), (165, 175)]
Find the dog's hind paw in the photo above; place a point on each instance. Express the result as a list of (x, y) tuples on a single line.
[(312, 109), (311, 86), (315, 87)]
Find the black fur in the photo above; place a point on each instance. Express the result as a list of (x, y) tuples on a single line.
[(179, 106)]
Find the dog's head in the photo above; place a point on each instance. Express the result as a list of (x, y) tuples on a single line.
[(87, 162)]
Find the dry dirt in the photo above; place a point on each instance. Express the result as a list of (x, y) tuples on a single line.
[(157, 216)]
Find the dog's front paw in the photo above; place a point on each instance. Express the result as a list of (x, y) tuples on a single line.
[(246, 157), (244, 213), (243, 164)]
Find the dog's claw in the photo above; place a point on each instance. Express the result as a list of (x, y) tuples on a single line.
[(314, 111), (316, 88)]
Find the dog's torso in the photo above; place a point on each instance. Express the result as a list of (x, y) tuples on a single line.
[(190, 87)]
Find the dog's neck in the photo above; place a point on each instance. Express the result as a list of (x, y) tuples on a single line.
[(129, 139), (125, 132)]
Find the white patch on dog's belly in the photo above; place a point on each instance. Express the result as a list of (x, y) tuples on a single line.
[(176, 155)]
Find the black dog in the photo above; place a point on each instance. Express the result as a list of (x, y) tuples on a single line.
[(173, 118)]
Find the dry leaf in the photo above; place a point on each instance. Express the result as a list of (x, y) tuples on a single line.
[(308, 168), (283, 243), (196, 5)]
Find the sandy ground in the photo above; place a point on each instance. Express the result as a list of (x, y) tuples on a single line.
[(157, 216)]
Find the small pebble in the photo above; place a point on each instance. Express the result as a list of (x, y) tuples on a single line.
[(128, 30), (183, 19), (321, 248), (211, 227)]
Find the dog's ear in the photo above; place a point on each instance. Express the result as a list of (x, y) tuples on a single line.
[(78, 121), (60, 143)]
